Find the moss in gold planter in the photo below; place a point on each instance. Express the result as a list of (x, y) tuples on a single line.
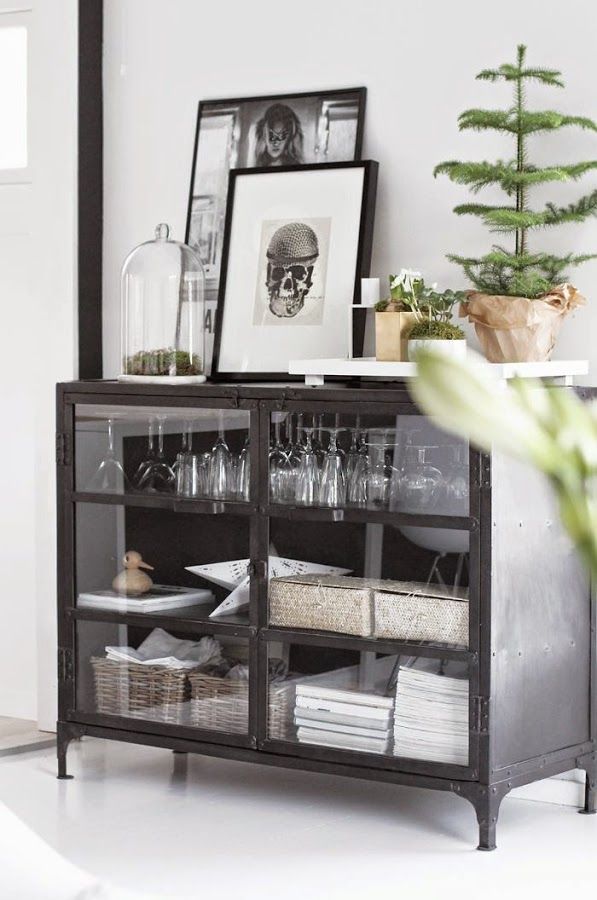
[(165, 361)]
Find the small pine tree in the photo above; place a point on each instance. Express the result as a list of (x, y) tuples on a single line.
[(520, 272)]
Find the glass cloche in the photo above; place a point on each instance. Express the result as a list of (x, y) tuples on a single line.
[(163, 313)]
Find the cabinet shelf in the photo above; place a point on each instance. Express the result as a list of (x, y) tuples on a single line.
[(168, 502), (189, 619), (317, 638), (381, 516)]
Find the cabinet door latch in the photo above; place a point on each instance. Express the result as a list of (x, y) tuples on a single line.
[(65, 664), (481, 715), (63, 449)]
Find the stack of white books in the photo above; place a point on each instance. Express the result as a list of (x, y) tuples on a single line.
[(347, 710), (431, 719)]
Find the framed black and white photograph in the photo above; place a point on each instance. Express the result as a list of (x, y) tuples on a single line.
[(258, 132), (297, 242)]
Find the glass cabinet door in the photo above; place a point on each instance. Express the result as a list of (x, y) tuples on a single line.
[(189, 453), (384, 462), (157, 675), (389, 705)]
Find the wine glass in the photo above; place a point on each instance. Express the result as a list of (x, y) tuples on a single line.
[(220, 466), (279, 469), (379, 477), (457, 482), (307, 479), (158, 477), (243, 472), (356, 490), (183, 464), (149, 456), (352, 457), (109, 477), (317, 438), (333, 478), (420, 483)]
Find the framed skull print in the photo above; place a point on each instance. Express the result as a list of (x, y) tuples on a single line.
[(297, 242), (265, 132)]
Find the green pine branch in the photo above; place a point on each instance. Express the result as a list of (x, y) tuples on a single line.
[(508, 72), (507, 218), (525, 122), (478, 175)]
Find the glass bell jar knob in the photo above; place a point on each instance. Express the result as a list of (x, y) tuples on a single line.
[(163, 312)]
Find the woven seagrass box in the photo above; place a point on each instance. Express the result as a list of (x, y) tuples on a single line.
[(369, 607), (411, 611), (326, 602)]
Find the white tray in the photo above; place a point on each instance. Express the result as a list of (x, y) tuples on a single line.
[(315, 370)]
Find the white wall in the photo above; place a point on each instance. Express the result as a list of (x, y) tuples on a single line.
[(418, 61), (37, 290)]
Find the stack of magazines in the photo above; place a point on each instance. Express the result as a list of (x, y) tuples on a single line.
[(339, 710), (432, 711)]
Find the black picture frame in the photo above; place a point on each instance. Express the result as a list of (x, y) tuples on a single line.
[(205, 106), (362, 262)]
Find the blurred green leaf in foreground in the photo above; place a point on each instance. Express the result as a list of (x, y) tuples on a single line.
[(550, 428)]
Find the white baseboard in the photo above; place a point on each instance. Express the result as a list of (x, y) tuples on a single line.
[(565, 790)]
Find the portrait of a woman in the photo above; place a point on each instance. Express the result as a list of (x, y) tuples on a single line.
[(279, 137)]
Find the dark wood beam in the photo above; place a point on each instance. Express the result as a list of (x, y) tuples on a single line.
[(90, 188)]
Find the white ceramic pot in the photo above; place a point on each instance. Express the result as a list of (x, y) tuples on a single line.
[(455, 349)]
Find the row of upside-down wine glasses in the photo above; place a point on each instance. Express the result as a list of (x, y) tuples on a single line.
[(218, 474), (304, 472)]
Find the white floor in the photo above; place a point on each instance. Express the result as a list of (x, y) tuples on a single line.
[(234, 830)]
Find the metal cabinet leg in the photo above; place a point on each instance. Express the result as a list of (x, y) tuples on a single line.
[(486, 801), (63, 739), (589, 809)]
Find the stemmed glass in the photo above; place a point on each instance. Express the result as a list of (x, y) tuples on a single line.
[(158, 477), (358, 477), (279, 469), (376, 481), (420, 483), (191, 480), (149, 456), (352, 457), (243, 472), (308, 476), (333, 478), (457, 482), (110, 477), (221, 473), (317, 438)]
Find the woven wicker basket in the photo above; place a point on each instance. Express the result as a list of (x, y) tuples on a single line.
[(326, 602), (157, 693), (222, 704)]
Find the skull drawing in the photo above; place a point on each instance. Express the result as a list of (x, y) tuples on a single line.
[(291, 256)]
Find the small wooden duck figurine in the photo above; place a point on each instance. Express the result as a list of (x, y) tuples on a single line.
[(131, 582)]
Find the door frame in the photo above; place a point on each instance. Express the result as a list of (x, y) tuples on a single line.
[(90, 193)]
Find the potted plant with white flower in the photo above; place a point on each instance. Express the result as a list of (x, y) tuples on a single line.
[(433, 327)]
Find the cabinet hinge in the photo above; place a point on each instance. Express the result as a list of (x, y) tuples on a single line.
[(485, 473), (63, 449), (480, 714), (65, 664)]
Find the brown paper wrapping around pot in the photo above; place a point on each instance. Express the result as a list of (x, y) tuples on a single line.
[(516, 329)]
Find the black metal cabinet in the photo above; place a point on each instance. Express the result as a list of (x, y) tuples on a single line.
[(531, 649)]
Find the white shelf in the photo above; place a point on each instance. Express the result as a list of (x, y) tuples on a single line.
[(316, 370)]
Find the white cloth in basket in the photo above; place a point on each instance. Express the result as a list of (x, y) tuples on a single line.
[(162, 649)]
